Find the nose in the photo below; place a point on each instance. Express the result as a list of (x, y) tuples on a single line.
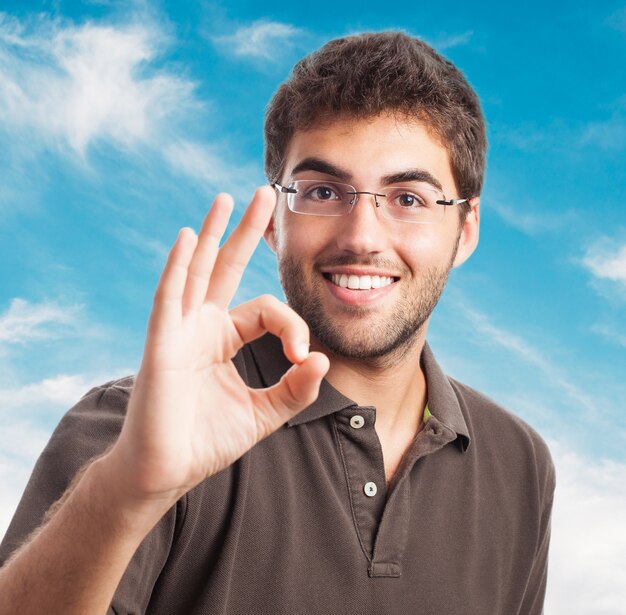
[(364, 230)]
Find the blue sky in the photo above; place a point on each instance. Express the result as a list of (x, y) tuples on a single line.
[(120, 120)]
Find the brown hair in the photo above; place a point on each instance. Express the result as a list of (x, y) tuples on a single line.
[(368, 74)]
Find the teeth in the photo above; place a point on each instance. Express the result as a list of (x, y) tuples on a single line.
[(362, 282)]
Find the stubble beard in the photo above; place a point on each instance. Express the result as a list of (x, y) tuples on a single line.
[(379, 341)]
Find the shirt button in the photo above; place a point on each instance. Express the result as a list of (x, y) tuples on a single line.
[(370, 489), (357, 421)]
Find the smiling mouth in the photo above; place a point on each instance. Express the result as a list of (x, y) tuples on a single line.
[(360, 282)]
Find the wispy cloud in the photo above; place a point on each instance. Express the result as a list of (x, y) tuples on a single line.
[(206, 165), (453, 40), (154, 250), (530, 136), (24, 321), (529, 354), (526, 221), (607, 261), (73, 85), (617, 20), (608, 134), (262, 39), (90, 89), (604, 133), (588, 538), (611, 333)]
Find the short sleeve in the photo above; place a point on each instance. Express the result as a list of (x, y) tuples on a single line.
[(84, 433)]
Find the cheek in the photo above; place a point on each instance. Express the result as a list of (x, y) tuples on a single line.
[(427, 249), (426, 246), (300, 237)]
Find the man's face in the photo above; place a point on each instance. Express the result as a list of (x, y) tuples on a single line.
[(412, 261)]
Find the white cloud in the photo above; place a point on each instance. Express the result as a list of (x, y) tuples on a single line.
[(25, 321), (20, 444), (587, 566), (262, 39), (607, 261), (66, 87), (60, 390), (72, 85)]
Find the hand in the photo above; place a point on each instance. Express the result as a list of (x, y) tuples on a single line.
[(190, 414)]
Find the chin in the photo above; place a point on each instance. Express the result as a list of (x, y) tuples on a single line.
[(367, 342)]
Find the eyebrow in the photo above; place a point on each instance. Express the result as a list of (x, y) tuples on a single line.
[(409, 175), (412, 175), (321, 166)]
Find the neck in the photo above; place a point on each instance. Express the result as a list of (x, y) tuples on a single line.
[(394, 384)]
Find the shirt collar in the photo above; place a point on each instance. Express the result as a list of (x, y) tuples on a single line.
[(443, 402)]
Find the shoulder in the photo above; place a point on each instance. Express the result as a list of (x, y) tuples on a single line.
[(101, 410), (113, 392), (500, 436), (108, 399), (89, 427)]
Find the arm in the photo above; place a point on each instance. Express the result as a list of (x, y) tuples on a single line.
[(189, 416), (534, 595), (74, 562)]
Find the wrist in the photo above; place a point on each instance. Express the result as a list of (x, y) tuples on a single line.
[(131, 512)]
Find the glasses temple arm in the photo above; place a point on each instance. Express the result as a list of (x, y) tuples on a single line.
[(280, 188), (452, 201)]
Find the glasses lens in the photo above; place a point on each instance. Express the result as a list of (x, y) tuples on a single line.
[(416, 203), (320, 198)]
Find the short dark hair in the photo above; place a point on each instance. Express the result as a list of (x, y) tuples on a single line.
[(365, 75)]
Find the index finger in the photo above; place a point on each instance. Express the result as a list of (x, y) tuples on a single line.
[(236, 252)]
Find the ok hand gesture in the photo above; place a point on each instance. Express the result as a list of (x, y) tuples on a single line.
[(190, 414)]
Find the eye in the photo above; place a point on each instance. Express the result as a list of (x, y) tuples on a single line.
[(322, 193), (408, 200)]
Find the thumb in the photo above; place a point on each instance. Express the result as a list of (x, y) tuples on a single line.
[(297, 389)]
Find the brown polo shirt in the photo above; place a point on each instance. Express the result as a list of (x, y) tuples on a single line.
[(305, 523)]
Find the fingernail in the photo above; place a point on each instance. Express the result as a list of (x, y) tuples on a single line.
[(303, 351)]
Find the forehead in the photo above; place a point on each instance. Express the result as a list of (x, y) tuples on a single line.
[(368, 149)]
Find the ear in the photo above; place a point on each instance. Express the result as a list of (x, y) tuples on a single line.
[(270, 234), (468, 237)]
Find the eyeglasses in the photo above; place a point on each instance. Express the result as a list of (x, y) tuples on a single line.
[(420, 203)]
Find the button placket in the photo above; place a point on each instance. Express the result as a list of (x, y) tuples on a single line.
[(365, 472)]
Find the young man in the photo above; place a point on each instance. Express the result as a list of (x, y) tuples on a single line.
[(309, 457)]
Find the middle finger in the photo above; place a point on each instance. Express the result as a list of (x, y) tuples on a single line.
[(234, 255)]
